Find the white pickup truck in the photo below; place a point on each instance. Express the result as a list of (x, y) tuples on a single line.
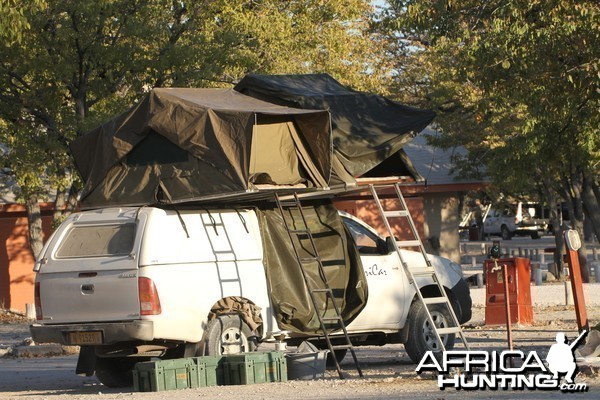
[(508, 222), (128, 284)]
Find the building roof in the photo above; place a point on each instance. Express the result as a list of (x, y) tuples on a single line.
[(434, 163)]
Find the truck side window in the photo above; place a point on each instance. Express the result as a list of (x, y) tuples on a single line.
[(365, 241)]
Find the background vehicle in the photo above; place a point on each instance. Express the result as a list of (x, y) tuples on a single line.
[(128, 284), (508, 222)]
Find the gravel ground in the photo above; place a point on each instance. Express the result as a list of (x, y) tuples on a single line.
[(13, 330), (389, 374)]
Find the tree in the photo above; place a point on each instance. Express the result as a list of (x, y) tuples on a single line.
[(13, 20), (516, 82), (72, 64)]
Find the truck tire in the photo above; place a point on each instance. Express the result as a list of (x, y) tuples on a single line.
[(535, 235), (420, 334), (116, 372), (505, 232), (228, 334)]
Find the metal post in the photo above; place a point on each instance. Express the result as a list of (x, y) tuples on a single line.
[(573, 243), (568, 294), (479, 281), (537, 274), (507, 305)]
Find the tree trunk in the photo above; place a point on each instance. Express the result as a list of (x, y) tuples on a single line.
[(573, 188), (555, 221), (64, 205), (59, 205), (72, 200), (596, 189), (590, 204), (34, 219)]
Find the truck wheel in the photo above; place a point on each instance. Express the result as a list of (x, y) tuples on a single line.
[(421, 337), (535, 235), (116, 372), (506, 235), (228, 334)]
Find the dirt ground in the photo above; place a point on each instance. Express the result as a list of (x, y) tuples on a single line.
[(389, 373)]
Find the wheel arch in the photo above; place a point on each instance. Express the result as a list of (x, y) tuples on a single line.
[(434, 291), (427, 292)]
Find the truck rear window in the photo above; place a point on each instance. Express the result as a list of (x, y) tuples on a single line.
[(97, 241)]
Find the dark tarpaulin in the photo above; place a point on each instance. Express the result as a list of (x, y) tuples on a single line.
[(180, 145), (367, 128), (290, 298)]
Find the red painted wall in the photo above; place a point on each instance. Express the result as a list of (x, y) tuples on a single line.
[(16, 260), (368, 212)]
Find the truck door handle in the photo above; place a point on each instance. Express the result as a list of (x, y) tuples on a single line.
[(87, 289)]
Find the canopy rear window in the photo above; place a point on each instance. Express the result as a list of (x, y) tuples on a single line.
[(98, 241)]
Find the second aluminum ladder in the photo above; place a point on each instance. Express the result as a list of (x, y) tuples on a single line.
[(411, 272)]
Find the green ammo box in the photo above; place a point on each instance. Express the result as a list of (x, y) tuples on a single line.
[(210, 370), (157, 376), (256, 367)]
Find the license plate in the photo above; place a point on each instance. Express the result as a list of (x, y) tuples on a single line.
[(94, 337)]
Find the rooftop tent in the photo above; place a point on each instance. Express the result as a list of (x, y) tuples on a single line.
[(187, 145), (367, 128)]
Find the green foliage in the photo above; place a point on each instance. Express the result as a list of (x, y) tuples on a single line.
[(517, 82), (13, 21), (71, 64)]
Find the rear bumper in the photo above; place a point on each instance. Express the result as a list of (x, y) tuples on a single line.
[(112, 332), (531, 228)]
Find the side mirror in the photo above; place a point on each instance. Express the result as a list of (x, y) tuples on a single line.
[(382, 247), (390, 244)]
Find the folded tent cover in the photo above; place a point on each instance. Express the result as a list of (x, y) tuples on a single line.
[(185, 145), (290, 298), (367, 128)]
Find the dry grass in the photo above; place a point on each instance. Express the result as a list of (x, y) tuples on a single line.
[(11, 317)]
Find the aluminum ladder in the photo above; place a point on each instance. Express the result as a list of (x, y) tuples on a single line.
[(224, 254), (411, 272), (336, 321)]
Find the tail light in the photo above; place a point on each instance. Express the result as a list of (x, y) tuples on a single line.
[(149, 301), (38, 302)]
